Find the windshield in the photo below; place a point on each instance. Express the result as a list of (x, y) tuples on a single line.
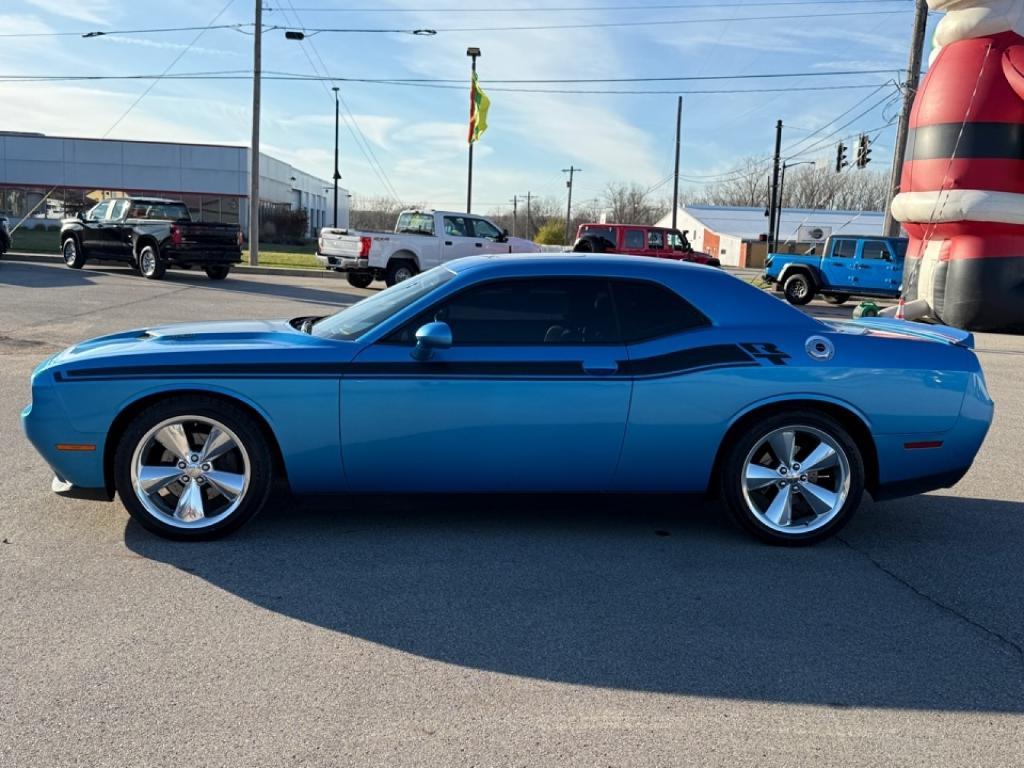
[(367, 314)]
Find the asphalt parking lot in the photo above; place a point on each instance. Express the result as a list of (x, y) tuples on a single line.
[(491, 631)]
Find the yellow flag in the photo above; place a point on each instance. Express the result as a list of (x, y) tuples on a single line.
[(478, 106)]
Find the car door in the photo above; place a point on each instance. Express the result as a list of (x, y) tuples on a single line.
[(459, 239), (657, 244), (489, 237), (528, 396), (112, 233), (92, 233), (877, 269), (838, 266), (634, 240)]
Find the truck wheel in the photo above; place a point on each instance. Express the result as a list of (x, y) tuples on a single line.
[(798, 289), (359, 279), (399, 270), (837, 298), (217, 271), (74, 257), (151, 265)]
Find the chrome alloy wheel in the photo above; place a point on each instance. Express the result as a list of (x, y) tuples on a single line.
[(70, 251), (190, 472), (147, 261), (402, 274), (796, 479)]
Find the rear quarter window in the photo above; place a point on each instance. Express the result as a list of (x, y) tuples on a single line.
[(649, 311)]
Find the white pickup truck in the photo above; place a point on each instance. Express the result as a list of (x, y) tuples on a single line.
[(421, 240)]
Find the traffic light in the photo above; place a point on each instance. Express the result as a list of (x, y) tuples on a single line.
[(863, 151), (841, 157)]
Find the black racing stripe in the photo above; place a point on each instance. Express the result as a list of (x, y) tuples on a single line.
[(716, 355), (685, 361), (979, 140)]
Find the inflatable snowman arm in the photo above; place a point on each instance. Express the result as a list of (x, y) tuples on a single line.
[(1013, 68)]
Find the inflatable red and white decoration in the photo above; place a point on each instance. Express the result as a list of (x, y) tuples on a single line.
[(962, 189)]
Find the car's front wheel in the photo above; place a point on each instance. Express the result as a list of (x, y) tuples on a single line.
[(73, 255), (793, 478), (193, 468)]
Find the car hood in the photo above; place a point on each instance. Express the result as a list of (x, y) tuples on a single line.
[(187, 340)]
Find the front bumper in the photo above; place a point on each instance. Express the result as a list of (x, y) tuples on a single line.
[(342, 263)]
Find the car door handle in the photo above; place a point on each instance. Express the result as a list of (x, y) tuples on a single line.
[(447, 242), (837, 263), (600, 369), (479, 245)]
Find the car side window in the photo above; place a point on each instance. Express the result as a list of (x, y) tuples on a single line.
[(634, 239), (524, 312), (98, 211), (844, 249), (876, 250), (485, 229), (455, 226), (649, 311), (655, 239)]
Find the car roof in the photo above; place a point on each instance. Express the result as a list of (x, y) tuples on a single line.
[(135, 199), (568, 262)]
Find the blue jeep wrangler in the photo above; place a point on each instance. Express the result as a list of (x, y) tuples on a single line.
[(850, 265)]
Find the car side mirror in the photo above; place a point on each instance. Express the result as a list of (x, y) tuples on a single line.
[(429, 337), (503, 238)]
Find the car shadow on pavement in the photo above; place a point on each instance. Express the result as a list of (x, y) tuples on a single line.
[(918, 604), (26, 275)]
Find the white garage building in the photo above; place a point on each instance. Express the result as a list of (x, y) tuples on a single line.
[(737, 235), (47, 177)]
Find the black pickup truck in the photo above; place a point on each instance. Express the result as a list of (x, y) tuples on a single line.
[(151, 234)]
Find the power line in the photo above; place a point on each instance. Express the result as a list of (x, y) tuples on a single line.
[(148, 30), (177, 58), (615, 24), (585, 8)]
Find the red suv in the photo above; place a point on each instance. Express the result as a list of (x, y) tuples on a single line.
[(639, 240)]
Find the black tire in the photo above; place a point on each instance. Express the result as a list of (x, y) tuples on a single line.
[(798, 289), (359, 279), (399, 270), (837, 298), (584, 245), (151, 265), (218, 271), (72, 252), (234, 418), (738, 498)]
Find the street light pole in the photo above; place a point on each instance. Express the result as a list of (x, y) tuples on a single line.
[(473, 53), (254, 144), (782, 187), (568, 209), (337, 173)]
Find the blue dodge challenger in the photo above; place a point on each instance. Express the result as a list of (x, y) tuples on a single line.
[(581, 373)]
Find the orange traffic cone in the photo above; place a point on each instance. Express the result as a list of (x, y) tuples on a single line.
[(899, 309)]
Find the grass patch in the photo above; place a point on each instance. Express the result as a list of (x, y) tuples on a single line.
[(294, 256)]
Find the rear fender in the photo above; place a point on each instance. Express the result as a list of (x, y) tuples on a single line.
[(811, 271)]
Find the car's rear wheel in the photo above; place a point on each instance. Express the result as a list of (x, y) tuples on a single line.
[(798, 289), (793, 478), (359, 279), (218, 271), (837, 298), (73, 255), (151, 265), (398, 271), (193, 468)]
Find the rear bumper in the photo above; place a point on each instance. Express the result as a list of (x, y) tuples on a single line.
[(201, 256), (342, 263)]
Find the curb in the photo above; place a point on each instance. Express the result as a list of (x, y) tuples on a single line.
[(240, 269)]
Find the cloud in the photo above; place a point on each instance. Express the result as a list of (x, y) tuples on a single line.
[(163, 44), (94, 12)]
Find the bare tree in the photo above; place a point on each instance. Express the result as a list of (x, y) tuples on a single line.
[(375, 214), (628, 204)]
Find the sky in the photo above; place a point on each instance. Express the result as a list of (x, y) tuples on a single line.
[(409, 141)]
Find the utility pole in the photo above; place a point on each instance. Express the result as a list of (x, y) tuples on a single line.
[(254, 144), (892, 227), (774, 201), (675, 186), (529, 220), (337, 172), (472, 53), (515, 213), (568, 209)]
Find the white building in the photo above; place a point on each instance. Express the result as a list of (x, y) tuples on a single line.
[(737, 235), (47, 177)]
